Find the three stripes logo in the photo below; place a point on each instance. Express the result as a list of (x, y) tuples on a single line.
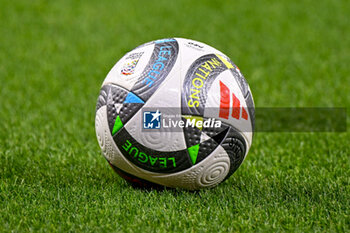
[(224, 112)]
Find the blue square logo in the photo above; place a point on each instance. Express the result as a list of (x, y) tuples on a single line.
[(152, 120)]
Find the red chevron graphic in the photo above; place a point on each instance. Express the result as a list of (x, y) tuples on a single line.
[(224, 101), (225, 104)]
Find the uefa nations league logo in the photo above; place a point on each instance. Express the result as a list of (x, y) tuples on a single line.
[(130, 63)]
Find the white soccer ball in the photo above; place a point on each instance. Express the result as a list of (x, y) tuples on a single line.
[(175, 113)]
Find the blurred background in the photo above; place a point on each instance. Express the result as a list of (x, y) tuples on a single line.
[(54, 56)]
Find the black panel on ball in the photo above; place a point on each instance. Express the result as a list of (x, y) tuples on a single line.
[(235, 146)]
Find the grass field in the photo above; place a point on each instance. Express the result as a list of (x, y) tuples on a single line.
[(54, 56)]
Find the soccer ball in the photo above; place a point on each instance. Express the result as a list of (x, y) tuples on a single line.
[(176, 113)]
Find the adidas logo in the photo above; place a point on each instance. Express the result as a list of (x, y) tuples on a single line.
[(237, 111)]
